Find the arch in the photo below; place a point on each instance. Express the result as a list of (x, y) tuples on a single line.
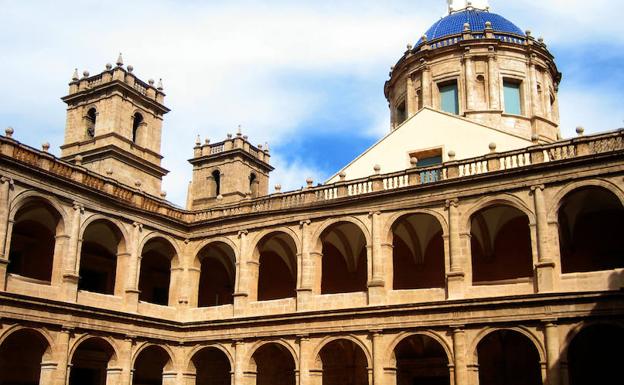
[(212, 365), (344, 266), (418, 252), (33, 246), (102, 243), (518, 329), (157, 258), (150, 362), (316, 237), (276, 253), (217, 274), (593, 353), (273, 363), (118, 225), (22, 352), (392, 219), (500, 244), (137, 122), (421, 358), (253, 184), (199, 348), (26, 196), (91, 119), (508, 357), (231, 244), (557, 199), (329, 339), (90, 359), (428, 333), (343, 360), (496, 200), (175, 262), (216, 183), (590, 220)]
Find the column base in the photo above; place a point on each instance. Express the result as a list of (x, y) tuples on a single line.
[(70, 286), (240, 303), (455, 285), (545, 275), (132, 300), (304, 299), (376, 292)]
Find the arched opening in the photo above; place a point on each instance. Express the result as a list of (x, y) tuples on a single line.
[(277, 275), (155, 274), (501, 245), (90, 362), (591, 220), (274, 365), (137, 122), (421, 360), (343, 362), (253, 185), (21, 355), (102, 242), (33, 240), (216, 183), (91, 118), (418, 253), (344, 268), (150, 365), (595, 356), (217, 276), (212, 367), (507, 357)]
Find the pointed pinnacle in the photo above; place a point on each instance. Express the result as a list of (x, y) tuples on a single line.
[(75, 75), (119, 60), (160, 85)]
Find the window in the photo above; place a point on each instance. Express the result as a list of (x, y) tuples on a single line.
[(429, 157), (512, 97), (401, 114), (216, 176), (449, 98), (91, 117), (137, 121), (253, 188)]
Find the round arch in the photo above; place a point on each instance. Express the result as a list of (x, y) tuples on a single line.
[(579, 327), (86, 337), (323, 226), (329, 339), (202, 245), (558, 198), (25, 197), (154, 235), (19, 328), (199, 348), (23, 351), (535, 341), (496, 200), (392, 220), (147, 345), (115, 223), (255, 347), (262, 235), (390, 351)]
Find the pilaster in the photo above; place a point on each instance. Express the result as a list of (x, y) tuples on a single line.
[(72, 258), (376, 283), (455, 276), (241, 292), (545, 268), (551, 332), (459, 353), (134, 269)]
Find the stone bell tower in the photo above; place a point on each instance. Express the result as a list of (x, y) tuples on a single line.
[(228, 171), (114, 126)]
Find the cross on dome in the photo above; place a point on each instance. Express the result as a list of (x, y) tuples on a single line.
[(458, 5)]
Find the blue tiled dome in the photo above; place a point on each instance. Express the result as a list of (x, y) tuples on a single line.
[(453, 24)]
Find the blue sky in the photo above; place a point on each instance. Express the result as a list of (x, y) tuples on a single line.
[(307, 77)]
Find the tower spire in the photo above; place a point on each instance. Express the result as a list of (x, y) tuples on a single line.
[(460, 5)]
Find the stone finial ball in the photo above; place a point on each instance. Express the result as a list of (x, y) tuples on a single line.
[(488, 24), (85, 73), (109, 172), (451, 154), (45, 146), (151, 82), (534, 138), (137, 183), (492, 146), (413, 161), (377, 168), (229, 136), (309, 181), (580, 130), (9, 131), (342, 175), (278, 187), (163, 194), (130, 68), (78, 159), (109, 66)]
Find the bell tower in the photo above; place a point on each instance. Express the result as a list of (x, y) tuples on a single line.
[(114, 126)]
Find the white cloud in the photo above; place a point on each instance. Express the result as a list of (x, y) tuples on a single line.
[(292, 175), (596, 110)]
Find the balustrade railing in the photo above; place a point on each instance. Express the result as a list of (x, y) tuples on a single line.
[(493, 162)]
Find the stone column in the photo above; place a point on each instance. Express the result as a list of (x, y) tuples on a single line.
[(535, 104), (61, 351), (459, 352), (378, 359), (113, 376), (304, 359), (72, 266), (239, 356), (545, 268), (426, 85), (5, 188), (305, 268), (134, 269), (48, 369), (552, 353), (376, 284), (410, 97), (470, 78), (241, 292), (493, 81), (455, 275)]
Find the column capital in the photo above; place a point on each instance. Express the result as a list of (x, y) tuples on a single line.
[(375, 332), (138, 226), (451, 203), (6, 179), (305, 222), (79, 207), (242, 233), (540, 187), (374, 213)]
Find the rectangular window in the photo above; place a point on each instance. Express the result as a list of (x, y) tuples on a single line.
[(449, 98), (401, 113), (513, 104)]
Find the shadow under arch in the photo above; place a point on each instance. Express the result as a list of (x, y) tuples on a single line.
[(217, 274), (91, 357), (276, 253), (212, 365), (421, 358), (158, 257), (343, 360), (273, 363), (22, 352), (150, 362)]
